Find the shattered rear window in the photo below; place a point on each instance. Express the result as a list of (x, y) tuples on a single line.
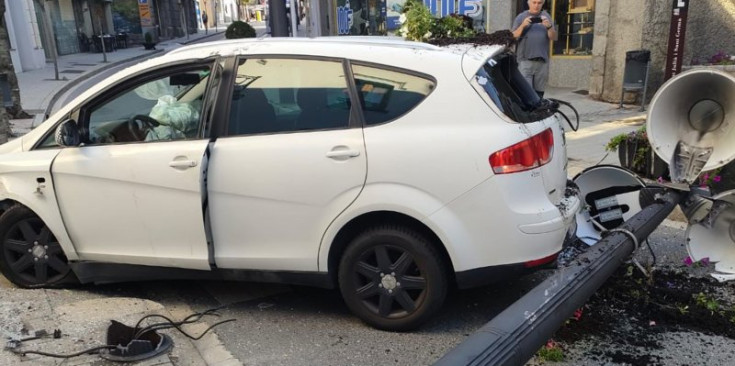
[(510, 92)]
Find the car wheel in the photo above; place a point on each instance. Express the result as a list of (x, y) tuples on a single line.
[(392, 278), (30, 256)]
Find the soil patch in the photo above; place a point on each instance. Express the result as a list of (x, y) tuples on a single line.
[(632, 312)]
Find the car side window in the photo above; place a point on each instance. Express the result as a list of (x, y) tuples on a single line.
[(162, 109), (388, 94), (273, 95)]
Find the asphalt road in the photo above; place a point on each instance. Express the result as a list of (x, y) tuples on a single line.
[(286, 325)]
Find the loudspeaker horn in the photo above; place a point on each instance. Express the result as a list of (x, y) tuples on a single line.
[(691, 123), (611, 195), (713, 236)]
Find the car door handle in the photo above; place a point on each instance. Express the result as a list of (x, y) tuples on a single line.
[(182, 164), (342, 154)]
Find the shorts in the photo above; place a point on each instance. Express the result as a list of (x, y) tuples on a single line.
[(535, 72)]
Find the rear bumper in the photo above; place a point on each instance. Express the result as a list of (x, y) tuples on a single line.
[(568, 208), (488, 275), (504, 221)]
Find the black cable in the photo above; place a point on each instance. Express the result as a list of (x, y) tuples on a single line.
[(650, 249), (56, 355), (576, 114), (169, 323), (178, 327)]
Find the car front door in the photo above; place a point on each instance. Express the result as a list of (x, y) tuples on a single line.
[(132, 193), (292, 159)]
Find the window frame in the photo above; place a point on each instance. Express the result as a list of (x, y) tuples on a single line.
[(354, 121), (559, 31), (80, 115), (374, 65)]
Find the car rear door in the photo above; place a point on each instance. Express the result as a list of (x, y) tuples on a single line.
[(133, 194), (290, 161)]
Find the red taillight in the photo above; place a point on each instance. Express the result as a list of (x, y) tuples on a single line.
[(527, 154)]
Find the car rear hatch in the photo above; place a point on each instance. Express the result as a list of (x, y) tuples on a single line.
[(506, 91)]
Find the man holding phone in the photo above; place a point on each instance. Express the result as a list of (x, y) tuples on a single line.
[(534, 29)]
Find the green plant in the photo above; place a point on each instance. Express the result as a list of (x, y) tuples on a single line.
[(550, 352), (638, 136), (707, 302), (416, 21), (452, 26), (418, 24), (148, 37), (239, 29)]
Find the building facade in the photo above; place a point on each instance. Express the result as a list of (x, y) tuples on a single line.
[(594, 35), (26, 50)]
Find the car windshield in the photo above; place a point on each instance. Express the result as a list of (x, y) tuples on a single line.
[(510, 92)]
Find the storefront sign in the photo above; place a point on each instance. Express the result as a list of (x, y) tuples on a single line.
[(677, 35), (440, 9), (145, 13), (344, 19)]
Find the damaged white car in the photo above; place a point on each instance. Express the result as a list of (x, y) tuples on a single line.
[(390, 170)]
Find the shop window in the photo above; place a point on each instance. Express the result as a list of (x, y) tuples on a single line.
[(575, 21)]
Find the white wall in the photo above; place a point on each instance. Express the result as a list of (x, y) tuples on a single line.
[(25, 40)]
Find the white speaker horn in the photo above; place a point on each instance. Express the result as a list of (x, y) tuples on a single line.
[(713, 236), (691, 123)]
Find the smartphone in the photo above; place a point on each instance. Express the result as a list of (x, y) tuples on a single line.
[(535, 19)]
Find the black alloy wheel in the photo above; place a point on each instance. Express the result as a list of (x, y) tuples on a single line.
[(30, 255), (392, 278)]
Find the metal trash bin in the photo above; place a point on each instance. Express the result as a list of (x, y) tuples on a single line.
[(635, 78)]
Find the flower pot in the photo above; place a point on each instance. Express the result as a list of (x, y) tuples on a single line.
[(648, 166), (149, 46)]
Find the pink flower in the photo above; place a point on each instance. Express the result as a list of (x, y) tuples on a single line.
[(704, 261), (688, 261), (578, 314), (660, 179), (717, 179)]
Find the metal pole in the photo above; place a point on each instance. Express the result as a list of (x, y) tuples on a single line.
[(50, 42), (277, 18), (516, 334), (102, 41), (293, 18), (216, 16)]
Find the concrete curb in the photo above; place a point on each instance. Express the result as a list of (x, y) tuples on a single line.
[(86, 76)]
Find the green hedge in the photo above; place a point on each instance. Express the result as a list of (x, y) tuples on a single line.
[(239, 29)]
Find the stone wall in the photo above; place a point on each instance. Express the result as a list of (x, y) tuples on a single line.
[(570, 72), (625, 25), (710, 29), (622, 26)]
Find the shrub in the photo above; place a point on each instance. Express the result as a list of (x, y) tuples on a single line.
[(418, 24), (148, 37), (239, 29)]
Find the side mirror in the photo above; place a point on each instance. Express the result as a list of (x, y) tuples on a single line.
[(67, 134)]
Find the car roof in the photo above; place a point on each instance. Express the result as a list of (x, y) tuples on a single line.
[(391, 51)]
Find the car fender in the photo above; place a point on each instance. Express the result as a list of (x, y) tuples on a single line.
[(25, 178), (397, 198)]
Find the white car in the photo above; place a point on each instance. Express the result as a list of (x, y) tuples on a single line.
[(391, 170)]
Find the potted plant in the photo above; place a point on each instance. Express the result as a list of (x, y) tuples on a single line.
[(635, 153), (148, 42)]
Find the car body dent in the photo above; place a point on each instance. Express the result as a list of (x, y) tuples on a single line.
[(19, 175)]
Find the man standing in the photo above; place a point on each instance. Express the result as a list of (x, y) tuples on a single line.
[(534, 28), (205, 20)]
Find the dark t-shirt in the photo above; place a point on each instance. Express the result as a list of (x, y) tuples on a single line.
[(535, 41)]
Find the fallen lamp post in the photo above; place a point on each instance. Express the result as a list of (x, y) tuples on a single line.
[(516, 334)]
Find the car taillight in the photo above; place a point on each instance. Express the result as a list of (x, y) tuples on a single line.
[(527, 154)]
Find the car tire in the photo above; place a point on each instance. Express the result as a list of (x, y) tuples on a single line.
[(30, 255), (392, 278)]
